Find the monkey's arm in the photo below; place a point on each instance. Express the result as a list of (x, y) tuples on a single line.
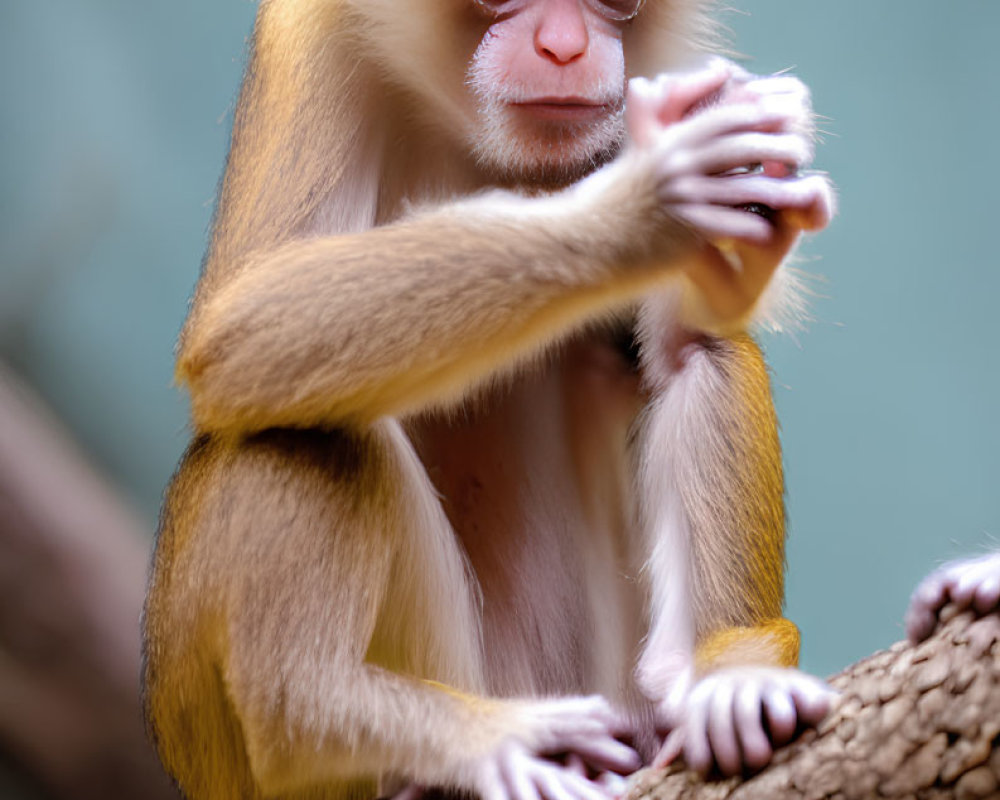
[(712, 494), (354, 327), (710, 465), (741, 281)]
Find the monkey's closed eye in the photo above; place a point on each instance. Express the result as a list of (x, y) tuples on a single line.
[(615, 10)]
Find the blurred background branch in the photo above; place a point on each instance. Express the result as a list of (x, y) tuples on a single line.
[(72, 575)]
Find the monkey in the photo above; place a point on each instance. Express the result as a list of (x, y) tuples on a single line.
[(485, 488), (970, 583)]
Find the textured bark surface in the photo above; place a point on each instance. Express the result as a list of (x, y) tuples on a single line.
[(913, 722)]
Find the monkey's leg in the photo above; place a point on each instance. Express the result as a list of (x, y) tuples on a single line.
[(311, 623), (322, 565), (712, 487)]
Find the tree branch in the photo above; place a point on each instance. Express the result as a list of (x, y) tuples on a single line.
[(917, 721), (72, 578)]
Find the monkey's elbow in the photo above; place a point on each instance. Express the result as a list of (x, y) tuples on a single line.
[(201, 368), (191, 365)]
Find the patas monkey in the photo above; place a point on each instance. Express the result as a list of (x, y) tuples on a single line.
[(441, 525)]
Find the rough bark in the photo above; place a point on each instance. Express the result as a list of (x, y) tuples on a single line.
[(912, 722)]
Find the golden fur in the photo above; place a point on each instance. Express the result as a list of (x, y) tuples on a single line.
[(314, 627)]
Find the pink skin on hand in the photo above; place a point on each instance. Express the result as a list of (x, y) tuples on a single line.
[(970, 583), (732, 115), (720, 720), (727, 141)]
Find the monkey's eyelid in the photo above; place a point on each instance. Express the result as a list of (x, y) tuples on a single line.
[(615, 10)]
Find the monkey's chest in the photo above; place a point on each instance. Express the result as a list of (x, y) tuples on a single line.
[(534, 482)]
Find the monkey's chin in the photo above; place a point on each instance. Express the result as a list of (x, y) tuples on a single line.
[(546, 157)]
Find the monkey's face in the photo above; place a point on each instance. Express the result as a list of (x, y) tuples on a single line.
[(548, 79)]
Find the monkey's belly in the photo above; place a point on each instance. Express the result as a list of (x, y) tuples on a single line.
[(535, 485)]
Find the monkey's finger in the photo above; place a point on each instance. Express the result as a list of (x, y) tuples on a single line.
[(697, 750), (495, 791), (592, 715), (551, 787), (963, 589), (672, 747), (608, 754), (748, 711), (494, 787), (579, 787), (721, 223), (759, 261), (515, 768), (813, 698), (732, 152), (931, 593), (682, 94), (919, 623), (789, 89), (987, 595), (817, 214), (793, 91), (722, 728), (576, 765), (779, 194), (776, 84), (769, 115), (781, 716), (925, 603)]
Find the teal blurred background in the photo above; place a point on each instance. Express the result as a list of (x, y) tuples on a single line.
[(114, 128)]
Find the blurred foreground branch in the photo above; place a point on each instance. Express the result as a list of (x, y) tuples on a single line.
[(913, 722), (72, 578)]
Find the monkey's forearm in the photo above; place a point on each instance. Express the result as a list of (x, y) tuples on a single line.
[(352, 328), (712, 484), (369, 722), (734, 492)]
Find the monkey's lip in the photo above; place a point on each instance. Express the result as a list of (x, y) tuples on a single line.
[(569, 109)]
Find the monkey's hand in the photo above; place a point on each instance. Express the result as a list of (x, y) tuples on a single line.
[(728, 152), (563, 742), (970, 583), (734, 718)]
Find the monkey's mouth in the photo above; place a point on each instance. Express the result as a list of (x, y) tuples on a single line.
[(562, 109)]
